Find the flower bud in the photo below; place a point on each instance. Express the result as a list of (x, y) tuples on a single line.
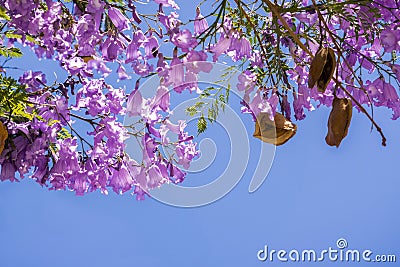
[(322, 68), (339, 121), (276, 132)]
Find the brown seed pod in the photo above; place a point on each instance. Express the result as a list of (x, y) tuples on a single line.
[(275, 132), (322, 68), (339, 121), (3, 136)]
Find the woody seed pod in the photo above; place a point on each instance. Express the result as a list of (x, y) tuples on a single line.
[(339, 121), (275, 132), (321, 69), (3, 136)]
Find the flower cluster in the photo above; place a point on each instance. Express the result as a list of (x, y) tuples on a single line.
[(93, 39)]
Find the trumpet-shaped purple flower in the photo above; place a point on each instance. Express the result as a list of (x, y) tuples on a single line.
[(167, 3), (390, 39), (200, 23), (121, 180), (196, 62), (151, 47), (220, 47), (122, 75), (8, 171), (184, 40), (118, 19)]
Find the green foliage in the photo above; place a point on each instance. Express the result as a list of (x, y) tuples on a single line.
[(10, 51), (3, 13), (211, 101), (13, 100), (201, 125)]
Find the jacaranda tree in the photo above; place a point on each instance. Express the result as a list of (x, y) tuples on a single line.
[(294, 55)]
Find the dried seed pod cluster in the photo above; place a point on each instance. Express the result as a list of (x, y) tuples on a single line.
[(339, 121), (322, 68), (275, 132), (3, 136)]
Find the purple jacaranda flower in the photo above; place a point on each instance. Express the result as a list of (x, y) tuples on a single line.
[(396, 110), (96, 104), (162, 164), (186, 152), (196, 62), (140, 194), (149, 149), (132, 52), (286, 107), (97, 175), (135, 15), (396, 70), (121, 180), (66, 163), (99, 150), (152, 130), (118, 19), (191, 82), (58, 181), (162, 98), (390, 39), (163, 134), (139, 38), (122, 75), (141, 180), (200, 23), (239, 48), (176, 173), (115, 101), (170, 22), (298, 106), (86, 28), (78, 183), (41, 169), (176, 128), (307, 17), (184, 40), (163, 70), (151, 47), (382, 93), (155, 177), (33, 81), (8, 170), (167, 3), (99, 65), (149, 111), (176, 74), (114, 131), (111, 48), (220, 47), (75, 65), (142, 68), (358, 94), (255, 59), (21, 8), (261, 104), (247, 81), (389, 93), (95, 7)]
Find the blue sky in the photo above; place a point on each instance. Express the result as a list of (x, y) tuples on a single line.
[(313, 195)]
